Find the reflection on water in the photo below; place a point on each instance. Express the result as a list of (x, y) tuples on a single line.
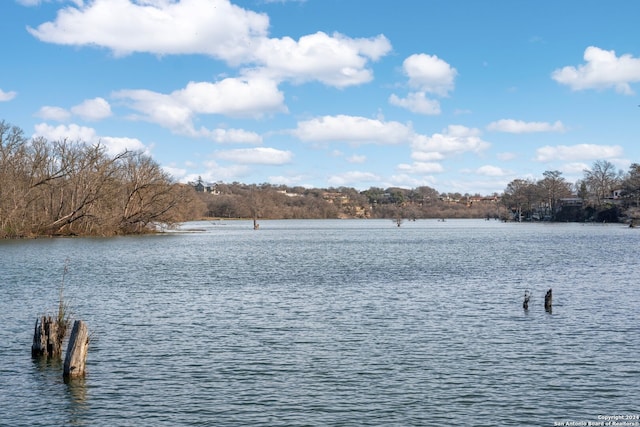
[(76, 393), (330, 323)]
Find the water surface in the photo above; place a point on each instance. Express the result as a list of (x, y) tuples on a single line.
[(339, 322)]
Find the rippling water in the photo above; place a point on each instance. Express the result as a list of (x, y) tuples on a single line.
[(322, 323)]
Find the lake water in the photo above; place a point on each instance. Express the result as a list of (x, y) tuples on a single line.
[(330, 323)]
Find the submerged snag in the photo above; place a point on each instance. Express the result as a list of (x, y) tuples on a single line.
[(527, 296), (76, 357), (548, 301)]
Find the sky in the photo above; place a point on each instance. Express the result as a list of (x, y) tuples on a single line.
[(461, 96)]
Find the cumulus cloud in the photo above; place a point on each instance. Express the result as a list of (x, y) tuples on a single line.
[(216, 172), (455, 139), (92, 109), (258, 155), (212, 27), (49, 112), (578, 152), (73, 132), (224, 136), (175, 172), (334, 60), (352, 129), (489, 170), (602, 70), (428, 73), (234, 97), (117, 145), (158, 108), (218, 29), (416, 102), (7, 96), (519, 126)]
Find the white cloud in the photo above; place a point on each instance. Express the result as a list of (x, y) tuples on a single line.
[(53, 113), (488, 170), (416, 102), (233, 97), (351, 178), (158, 108), (421, 168), (211, 27), (116, 145), (218, 29), (73, 132), (175, 172), (231, 136), (603, 70), (519, 126), (428, 73), (575, 168), (215, 172), (352, 129), (578, 152), (334, 60), (7, 96), (454, 140), (259, 155), (92, 109)]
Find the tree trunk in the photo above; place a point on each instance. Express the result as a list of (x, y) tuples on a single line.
[(76, 357)]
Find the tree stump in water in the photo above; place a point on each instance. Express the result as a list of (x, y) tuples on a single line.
[(548, 301), (46, 340), (76, 357)]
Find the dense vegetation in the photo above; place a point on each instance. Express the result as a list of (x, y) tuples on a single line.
[(603, 195), (74, 188)]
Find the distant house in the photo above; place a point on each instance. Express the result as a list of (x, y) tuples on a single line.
[(201, 188), (570, 201)]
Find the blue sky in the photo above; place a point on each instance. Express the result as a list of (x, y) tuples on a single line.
[(461, 96)]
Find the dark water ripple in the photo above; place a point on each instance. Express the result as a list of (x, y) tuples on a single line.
[(316, 323)]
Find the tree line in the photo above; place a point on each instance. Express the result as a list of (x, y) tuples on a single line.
[(74, 188), (67, 187), (604, 194)]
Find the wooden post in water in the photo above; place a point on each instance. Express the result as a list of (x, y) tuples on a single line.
[(548, 301), (76, 357), (46, 341)]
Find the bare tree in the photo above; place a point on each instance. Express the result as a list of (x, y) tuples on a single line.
[(553, 187), (601, 180)]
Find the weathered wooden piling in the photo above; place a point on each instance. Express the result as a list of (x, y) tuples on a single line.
[(46, 340), (548, 301), (76, 357)]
